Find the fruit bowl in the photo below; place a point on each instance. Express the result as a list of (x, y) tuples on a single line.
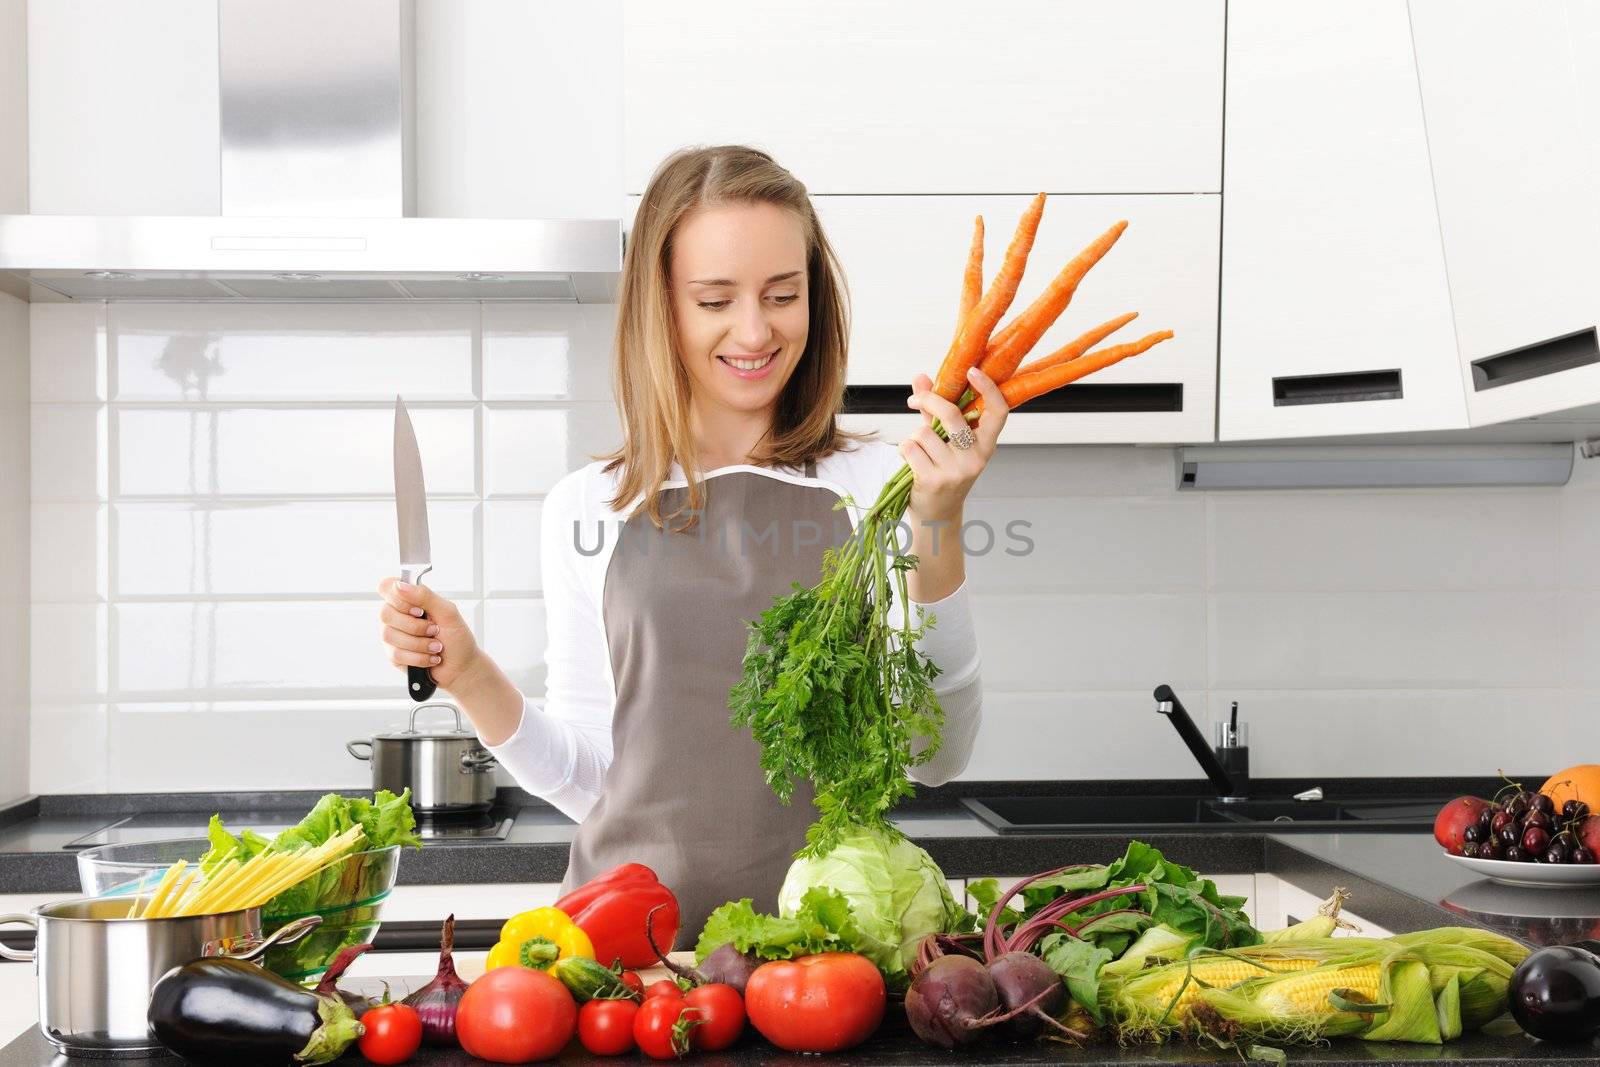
[(1543, 875)]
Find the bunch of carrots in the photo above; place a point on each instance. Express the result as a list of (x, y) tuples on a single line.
[(1000, 356), (829, 688)]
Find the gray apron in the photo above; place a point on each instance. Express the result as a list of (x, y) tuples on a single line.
[(685, 794)]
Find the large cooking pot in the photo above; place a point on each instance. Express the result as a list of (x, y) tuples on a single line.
[(446, 770), (96, 967)]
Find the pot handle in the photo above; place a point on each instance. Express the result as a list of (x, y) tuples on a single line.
[(478, 759), (17, 955), (350, 747), (287, 934), (412, 726)]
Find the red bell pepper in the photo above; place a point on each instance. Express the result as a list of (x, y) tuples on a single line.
[(611, 909)]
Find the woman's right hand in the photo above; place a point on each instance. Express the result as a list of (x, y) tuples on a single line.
[(442, 642)]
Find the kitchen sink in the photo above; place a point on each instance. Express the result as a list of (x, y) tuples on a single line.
[(1056, 814)]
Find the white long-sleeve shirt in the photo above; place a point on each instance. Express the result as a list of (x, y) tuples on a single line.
[(561, 749)]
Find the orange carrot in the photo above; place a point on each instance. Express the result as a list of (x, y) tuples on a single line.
[(1027, 383), (1008, 348), (972, 281), (1079, 345), (973, 338)]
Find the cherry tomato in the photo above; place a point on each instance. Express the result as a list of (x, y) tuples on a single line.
[(515, 1015), (822, 1003), (393, 1034), (660, 1029), (665, 987), (721, 1011), (632, 980), (605, 1027)]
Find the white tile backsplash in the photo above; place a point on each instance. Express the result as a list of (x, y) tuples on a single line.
[(528, 450), (67, 350), (292, 451), (511, 547), (70, 543), (560, 352), (1404, 640), (311, 352), (1032, 643), (66, 466), (282, 548), (212, 509), (1448, 539)]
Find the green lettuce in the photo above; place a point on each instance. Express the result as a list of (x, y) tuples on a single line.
[(347, 895), (822, 922), (896, 894)]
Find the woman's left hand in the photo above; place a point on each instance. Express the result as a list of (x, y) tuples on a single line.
[(944, 474)]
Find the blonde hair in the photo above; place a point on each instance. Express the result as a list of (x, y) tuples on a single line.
[(651, 384)]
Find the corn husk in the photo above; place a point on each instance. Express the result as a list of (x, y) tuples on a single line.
[(1427, 987)]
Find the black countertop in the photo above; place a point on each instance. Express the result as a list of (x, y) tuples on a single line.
[(895, 1045), (1400, 881)]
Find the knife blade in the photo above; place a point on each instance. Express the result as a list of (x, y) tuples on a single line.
[(411, 513)]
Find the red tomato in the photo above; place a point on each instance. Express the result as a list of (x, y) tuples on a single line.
[(393, 1034), (721, 1016), (515, 1015), (632, 980), (661, 1027), (605, 1027), (821, 1003), (666, 987)]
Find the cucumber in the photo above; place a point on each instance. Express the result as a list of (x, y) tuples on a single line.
[(589, 979)]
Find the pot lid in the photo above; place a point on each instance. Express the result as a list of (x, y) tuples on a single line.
[(412, 733)]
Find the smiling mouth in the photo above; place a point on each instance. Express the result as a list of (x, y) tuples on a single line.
[(750, 364)]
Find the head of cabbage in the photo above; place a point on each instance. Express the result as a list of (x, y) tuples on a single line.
[(897, 894)]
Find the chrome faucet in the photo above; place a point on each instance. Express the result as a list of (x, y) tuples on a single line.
[(1168, 704)]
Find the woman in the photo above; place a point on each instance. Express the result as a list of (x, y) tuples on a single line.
[(730, 369)]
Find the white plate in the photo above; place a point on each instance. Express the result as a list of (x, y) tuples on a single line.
[(1549, 875)]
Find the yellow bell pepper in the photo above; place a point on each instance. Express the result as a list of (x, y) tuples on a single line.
[(537, 939)]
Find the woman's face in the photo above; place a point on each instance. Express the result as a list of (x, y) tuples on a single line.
[(739, 303)]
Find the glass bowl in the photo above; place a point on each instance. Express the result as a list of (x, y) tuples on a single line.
[(348, 895)]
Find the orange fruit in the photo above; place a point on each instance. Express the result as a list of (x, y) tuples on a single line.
[(1575, 783)]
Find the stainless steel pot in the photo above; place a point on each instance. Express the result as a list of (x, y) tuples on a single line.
[(446, 770), (96, 966)]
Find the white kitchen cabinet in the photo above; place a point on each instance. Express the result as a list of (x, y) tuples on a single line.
[(431, 903), (939, 97), (1335, 314), (903, 258), (123, 108), (1509, 98)]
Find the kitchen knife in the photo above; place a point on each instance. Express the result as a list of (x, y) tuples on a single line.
[(411, 509)]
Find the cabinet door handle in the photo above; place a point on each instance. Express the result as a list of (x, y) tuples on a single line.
[(1341, 388), (1097, 397), (1577, 349)]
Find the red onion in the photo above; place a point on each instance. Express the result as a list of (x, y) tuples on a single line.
[(436, 1002)]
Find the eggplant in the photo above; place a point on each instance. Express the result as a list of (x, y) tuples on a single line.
[(222, 1010), (1555, 994)]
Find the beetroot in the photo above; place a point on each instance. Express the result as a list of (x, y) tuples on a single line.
[(1030, 992), (724, 965), (949, 999)]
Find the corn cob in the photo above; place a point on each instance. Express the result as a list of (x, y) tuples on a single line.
[(1161, 999), (1323, 924)]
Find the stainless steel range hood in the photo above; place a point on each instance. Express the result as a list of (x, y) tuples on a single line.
[(317, 190)]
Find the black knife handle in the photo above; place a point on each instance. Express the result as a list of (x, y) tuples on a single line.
[(419, 682)]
